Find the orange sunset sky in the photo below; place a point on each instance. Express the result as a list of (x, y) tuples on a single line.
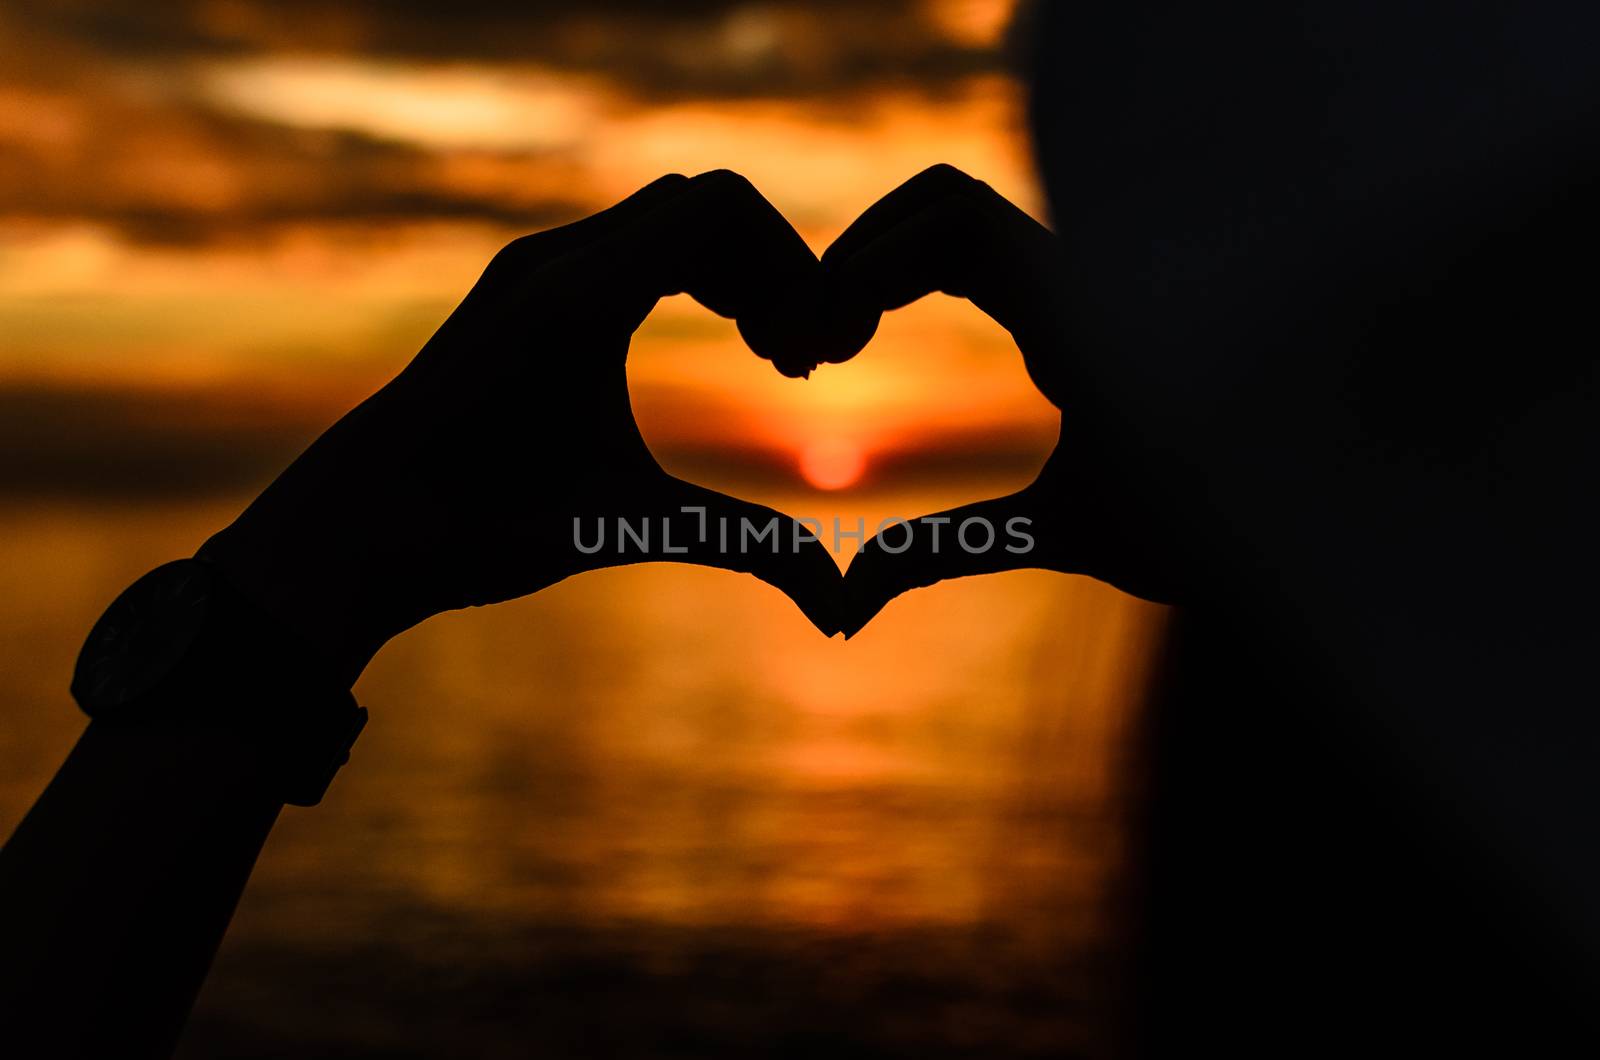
[(224, 221)]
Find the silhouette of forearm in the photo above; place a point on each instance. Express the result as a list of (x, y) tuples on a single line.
[(116, 888)]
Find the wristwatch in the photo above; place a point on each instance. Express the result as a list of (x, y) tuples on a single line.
[(184, 645)]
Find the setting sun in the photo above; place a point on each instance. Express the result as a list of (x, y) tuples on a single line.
[(833, 464)]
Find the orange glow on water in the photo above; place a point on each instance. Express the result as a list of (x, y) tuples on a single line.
[(833, 464)]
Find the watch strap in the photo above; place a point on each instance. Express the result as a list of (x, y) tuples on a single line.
[(240, 674), (303, 720)]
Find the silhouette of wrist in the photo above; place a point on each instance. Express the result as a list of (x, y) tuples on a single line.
[(321, 593)]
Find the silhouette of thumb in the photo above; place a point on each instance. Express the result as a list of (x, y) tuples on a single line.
[(686, 523), (987, 537)]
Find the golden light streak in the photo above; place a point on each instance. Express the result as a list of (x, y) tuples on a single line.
[(448, 107)]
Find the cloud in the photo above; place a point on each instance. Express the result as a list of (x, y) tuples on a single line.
[(149, 441), (197, 121), (147, 154), (685, 48), (86, 441)]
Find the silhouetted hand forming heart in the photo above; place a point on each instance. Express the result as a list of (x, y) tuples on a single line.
[(944, 231), (459, 483)]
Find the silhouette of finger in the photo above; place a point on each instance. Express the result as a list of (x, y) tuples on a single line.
[(518, 259), (987, 537), (909, 199), (943, 231), (955, 245), (516, 266), (732, 534), (718, 240)]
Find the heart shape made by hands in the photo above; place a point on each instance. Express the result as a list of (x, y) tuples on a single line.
[(470, 477), (717, 239)]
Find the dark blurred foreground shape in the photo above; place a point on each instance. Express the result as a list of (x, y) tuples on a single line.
[(1333, 270)]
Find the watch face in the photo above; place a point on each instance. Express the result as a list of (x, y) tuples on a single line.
[(142, 636)]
